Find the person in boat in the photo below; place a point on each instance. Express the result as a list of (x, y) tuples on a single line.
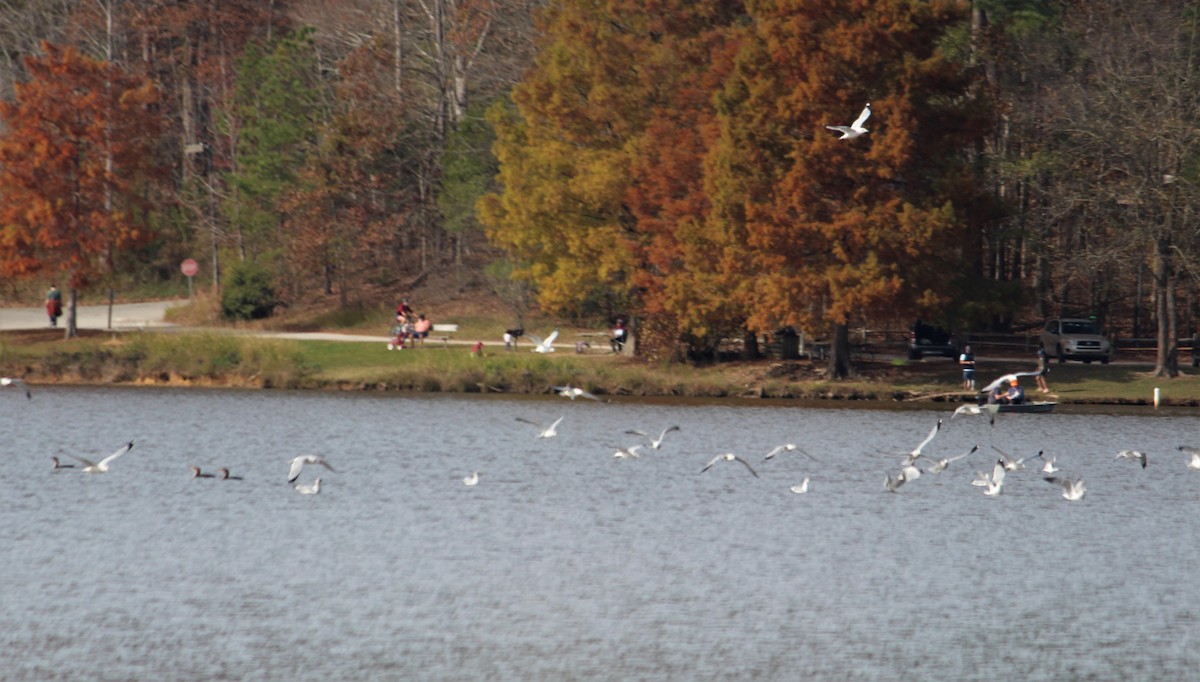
[(1016, 394)]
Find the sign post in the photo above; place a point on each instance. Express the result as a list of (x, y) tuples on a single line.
[(189, 267)]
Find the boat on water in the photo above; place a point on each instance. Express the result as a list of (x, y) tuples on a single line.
[(1034, 407)]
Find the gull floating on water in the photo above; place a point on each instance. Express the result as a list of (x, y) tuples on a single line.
[(1133, 454), (1193, 456), (90, 467), (473, 479), (854, 129), (573, 392), (58, 465), (9, 381), (655, 443), (226, 477), (1072, 489), (312, 489), (800, 489), (788, 447), (728, 457), (196, 473), (543, 430), (544, 346), (299, 462), (940, 465)]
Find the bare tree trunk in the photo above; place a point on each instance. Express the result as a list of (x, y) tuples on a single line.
[(1164, 307), (839, 352), (72, 329)]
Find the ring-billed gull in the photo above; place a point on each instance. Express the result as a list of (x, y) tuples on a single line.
[(940, 465), (1072, 488), (800, 489), (911, 457), (10, 381), (543, 430), (909, 473), (544, 345), (788, 447), (574, 392), (1011, 463), (1133, 454), (971, 410), (630, 452), (994, 483), (729, 457), (854, 129), (655, 443), (297, 463), (90, 467), (1193, 456)]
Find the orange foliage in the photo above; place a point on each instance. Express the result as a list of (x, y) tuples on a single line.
[(77, 166)]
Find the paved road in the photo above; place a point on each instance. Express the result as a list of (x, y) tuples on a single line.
[(124, 316), (143, 316)]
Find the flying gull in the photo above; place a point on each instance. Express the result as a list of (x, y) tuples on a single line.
[(1133, 454), (299, 462), (655, 443), (728, 457), (1072, 488), (9, 381), (788, 447), (543, 430), (940, 465), (854, 129), (546, 345), (90, 467)]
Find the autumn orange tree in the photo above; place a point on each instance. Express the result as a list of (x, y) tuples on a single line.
[(685, 291), (78, 169), (822, 230)]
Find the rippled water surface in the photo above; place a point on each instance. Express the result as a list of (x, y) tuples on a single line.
[(566, 563)]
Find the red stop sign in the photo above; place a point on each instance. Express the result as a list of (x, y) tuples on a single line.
[(189, 267)]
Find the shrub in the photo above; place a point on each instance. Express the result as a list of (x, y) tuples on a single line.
[(249, 292)]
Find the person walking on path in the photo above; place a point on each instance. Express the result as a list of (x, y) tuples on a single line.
[(54, 304), (967, 360), (1043, 368)]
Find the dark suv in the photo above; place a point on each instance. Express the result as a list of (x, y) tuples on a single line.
[(926, 339)]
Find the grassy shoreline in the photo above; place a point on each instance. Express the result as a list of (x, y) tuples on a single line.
[(211, 359)]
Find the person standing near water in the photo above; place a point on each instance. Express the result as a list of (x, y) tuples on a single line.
[(967, 360), (54, 304), (1043, 368)]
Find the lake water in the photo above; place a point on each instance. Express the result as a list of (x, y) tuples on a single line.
[(566, 563)]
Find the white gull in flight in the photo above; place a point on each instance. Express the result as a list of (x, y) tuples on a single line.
[(729, 457), (855, 129), (90, 467), (298, 463), (543, 430), (655, 443)]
